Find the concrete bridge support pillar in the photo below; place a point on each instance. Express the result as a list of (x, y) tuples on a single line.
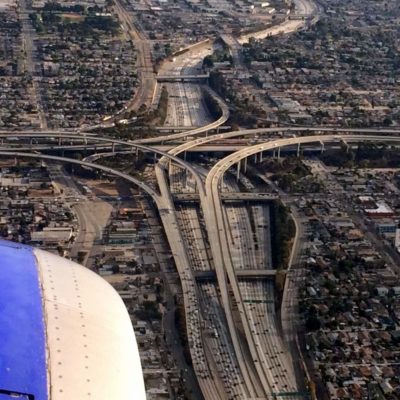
[(59, 141), (322, 147), (298, 149), (245, 165), (137, 152), (279, 153), (113, 148), (238, 171), (184, 155), (261, 157)]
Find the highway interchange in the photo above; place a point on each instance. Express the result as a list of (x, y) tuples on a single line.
[(226, 315), (235, 338)]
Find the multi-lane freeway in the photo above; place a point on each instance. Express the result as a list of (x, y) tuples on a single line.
[(186, 105), (235, 342), (144, 64), (305, 12), (219, 237)]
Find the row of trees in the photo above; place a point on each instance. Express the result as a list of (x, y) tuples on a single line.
[(162, 108), (370, 155), (217, 56), (283, 231), (245, 113), (212, 105), (49, 20)]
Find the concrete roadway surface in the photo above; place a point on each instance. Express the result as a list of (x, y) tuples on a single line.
[(276, 362), (92, 218), (188, 63), (186, 106), (220, 355), (165, 211), (290, 318), (238, 382), (144, 64), (172, 338), (92, 215), (221, 168), (196, 142), (219, 260), (346, 135), (28, 35), (219, 237), (64, 183), (303, 8), (190, 295), (224, 269), (247, 373)]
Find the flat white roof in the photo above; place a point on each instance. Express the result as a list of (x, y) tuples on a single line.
[(365, 198), (383, 208)]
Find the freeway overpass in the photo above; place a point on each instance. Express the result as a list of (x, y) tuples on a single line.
[(169, 128), (146, 188), (218, 235), (134, 145), (240, 273), (216, 175), (121, 148), (228, 196), (190, 145), (216, 229), (302, 130), (182, 78), (167, 214)]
